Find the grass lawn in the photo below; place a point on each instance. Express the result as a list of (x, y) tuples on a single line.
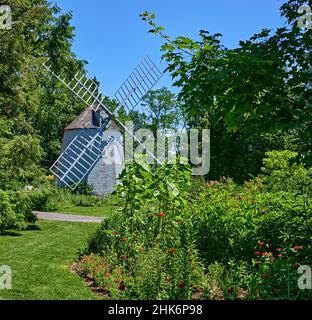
[(40, 261), (73, 205)]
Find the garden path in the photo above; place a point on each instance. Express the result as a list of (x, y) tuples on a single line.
[(65, 217)]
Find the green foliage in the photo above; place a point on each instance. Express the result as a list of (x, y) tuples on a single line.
[(48, 197), (83, 189), (20, 156), (36, 105), (164, 111), (149, 241), (23, 205), (159, 189), (262, 87), (280, 174), (17, 206), (9, 219), (231, 219), (215, 227)]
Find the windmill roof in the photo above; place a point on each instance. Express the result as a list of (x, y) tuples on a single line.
[(88, 119)]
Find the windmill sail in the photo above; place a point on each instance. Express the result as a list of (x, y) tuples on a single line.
[(79, 157), (140, 81)]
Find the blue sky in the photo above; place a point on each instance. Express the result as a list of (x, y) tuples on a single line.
[(113, 39)]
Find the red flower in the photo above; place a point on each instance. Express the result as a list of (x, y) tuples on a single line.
[(152, 215), (122, 287), (161, 214), (258, 253), (279, 249), (230, 290), (124, 239), (115, 233), (297, 248), (181, 285), (296, 266), (172, 250), (261, 244), (264, 254), (280, 255)]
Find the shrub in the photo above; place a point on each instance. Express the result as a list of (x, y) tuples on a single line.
[(281, 172), (83, 189), (218, 238), (22, 205), (230, 221), (151, 250), (9, 219)]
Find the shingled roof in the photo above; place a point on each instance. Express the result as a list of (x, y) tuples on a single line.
[(88, 119)]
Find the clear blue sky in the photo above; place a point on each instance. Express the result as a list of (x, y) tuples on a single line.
[(113, 39)]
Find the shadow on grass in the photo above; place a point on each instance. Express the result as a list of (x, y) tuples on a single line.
[(11, 234), (33, 227)]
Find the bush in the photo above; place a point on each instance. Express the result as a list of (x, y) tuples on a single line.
[(281, 172), (147, 254), (9, 219), (218, 238), (230, 220), (23, 205), (83, 189)]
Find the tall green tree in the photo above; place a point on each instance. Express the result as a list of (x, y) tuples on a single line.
[(163, 111), (253, 98), (34, 104)]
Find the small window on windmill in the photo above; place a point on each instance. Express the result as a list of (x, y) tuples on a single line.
[(96, 119)]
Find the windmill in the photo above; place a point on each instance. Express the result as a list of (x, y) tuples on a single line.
[(85, 150)]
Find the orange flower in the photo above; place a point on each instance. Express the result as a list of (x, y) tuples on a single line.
[(119, 280), (122, 287), (279, 249), (297, 248), (230, 290), (161, 214), (261, 244), (296, 266), (181, 285), (280, 255), (124, 239)]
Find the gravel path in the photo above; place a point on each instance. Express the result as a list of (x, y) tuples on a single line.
[(66, 217)]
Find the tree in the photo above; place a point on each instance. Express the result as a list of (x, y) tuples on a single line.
[(163, 111), (260, 89), (33, 105)]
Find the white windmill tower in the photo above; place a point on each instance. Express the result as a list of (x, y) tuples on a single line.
[(90, 140)]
